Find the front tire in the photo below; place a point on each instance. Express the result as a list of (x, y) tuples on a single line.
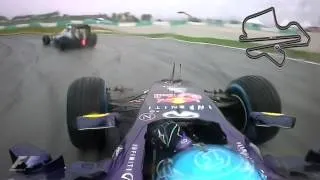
[(257, 94), (62, 46), (86, 95), (46, 40)]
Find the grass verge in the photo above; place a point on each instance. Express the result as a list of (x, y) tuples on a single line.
[(47, 30), (311, 56), (30, 30)]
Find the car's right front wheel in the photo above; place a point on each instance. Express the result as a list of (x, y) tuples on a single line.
[(256, 94)]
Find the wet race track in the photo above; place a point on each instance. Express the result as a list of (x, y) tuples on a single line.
[(34, 81)]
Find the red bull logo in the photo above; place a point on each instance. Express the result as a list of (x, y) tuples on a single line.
[(181, 98)]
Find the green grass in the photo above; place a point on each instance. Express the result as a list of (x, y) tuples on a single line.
[(38, 30), (311, 56), (30, 30), (224, 42)]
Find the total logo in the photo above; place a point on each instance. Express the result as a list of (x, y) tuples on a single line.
[(181, 98)]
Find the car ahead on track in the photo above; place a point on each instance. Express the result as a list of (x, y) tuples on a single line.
[(178, 131), (73, 36)]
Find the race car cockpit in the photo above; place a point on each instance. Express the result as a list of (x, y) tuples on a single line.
[(184, 149), (67, 32)]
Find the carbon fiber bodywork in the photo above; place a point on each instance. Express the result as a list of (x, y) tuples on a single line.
[(129, 158)]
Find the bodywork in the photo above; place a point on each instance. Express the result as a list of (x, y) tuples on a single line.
[(127, 162), (71, 36)]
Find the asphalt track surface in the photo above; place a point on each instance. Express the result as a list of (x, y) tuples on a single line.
[(34, 81)]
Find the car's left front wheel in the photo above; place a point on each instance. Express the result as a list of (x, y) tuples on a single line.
[(46, 40), (86, 95), (62, 46)]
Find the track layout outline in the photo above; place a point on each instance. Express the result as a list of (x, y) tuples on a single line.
[(292, 40)]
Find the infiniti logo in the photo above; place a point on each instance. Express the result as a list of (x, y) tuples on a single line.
[(128, 175)]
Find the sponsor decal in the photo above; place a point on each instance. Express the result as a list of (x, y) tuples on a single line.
[(184, 143), (169, 84), (137, 100), (181, 98), (198, 107), (128, 174), (19, 161), (147, 116), (243, 151), (23, 162), (183, 114), (117, 152), (177, 89)]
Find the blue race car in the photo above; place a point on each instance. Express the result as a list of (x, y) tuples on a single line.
[(72, 37), (178, 132)]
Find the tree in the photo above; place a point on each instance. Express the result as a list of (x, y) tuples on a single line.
[(132, 18), (146, 17), (233, 21), (114, 17), (126, 15), (119, 17), (3, 18)]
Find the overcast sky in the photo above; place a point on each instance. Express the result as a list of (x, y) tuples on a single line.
[(300, 10)]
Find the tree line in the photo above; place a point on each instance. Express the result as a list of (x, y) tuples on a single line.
[(116, 17)]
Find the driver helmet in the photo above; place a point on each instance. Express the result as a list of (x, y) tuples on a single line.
[(208, 162), (68, 28)]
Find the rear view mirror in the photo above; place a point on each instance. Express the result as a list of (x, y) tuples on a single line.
[(264, 119)]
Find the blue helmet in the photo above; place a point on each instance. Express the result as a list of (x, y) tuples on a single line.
[(213, 162)]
